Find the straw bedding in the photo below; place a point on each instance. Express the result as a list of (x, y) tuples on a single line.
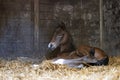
[(27, 70)]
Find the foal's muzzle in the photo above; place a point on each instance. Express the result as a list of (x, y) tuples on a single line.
[(55, 44), (52, 45)]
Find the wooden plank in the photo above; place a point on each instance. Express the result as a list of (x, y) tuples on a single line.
[(36, 25), (101, 23)]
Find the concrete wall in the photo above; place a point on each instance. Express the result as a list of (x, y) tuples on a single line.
[(112, 26)]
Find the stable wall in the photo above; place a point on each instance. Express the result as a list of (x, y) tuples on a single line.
[(111, 26), (16, 28), (26, 26)]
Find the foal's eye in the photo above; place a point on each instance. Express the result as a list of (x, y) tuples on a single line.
[(57, 32), (61, 35)]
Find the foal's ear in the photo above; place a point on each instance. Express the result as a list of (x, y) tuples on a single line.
[(61, 25)]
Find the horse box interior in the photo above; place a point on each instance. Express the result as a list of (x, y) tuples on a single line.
[(26, 26)]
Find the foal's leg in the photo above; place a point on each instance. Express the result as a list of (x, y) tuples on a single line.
[(84, 59), (89, 59), (66, 61)]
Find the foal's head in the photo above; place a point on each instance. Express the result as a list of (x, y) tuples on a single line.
[(61, 38), (57, 36)]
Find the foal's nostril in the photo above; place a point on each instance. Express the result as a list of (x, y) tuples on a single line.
[(51, 45)]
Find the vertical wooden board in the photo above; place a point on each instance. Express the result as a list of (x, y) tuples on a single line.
[(36, 26), (101, 23)]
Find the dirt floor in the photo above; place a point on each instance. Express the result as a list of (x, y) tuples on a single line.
[(28, 70)]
